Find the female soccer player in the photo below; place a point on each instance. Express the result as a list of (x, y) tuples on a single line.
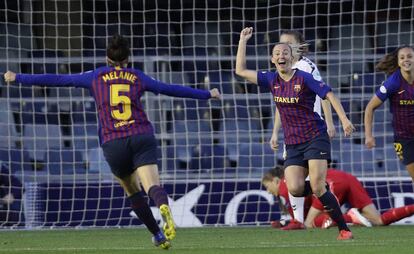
[(300, 48), (399, 88), (126, 135), (306, 137), (347, 189)]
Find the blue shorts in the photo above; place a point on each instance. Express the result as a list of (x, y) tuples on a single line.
[(318, 148), (124, 155), (405, 150)]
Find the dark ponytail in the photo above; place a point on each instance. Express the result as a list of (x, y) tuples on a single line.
[(118, 49)]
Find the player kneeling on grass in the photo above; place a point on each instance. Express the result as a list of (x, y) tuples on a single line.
[(125, 133), (346, 188)]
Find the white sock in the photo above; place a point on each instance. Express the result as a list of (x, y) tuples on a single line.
[(297, 204)]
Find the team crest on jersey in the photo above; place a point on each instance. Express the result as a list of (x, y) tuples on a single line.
[(297, 88)]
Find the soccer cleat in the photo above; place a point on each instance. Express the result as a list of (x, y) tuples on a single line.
[(345, 235), (159, 240), (357, 218), (169, 226), (293, 225)]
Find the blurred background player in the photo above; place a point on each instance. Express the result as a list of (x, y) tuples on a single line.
[(306, 138), (399, 89), (300, 48), (347, 189), (126, 135)]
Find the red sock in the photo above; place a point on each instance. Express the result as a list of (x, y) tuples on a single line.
[(396, 214)]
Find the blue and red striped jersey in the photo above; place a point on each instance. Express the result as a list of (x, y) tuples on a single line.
[(401, 95), (117, 93), (295, 100)]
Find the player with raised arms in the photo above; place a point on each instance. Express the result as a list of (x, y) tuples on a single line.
[(300, 48), (306, 138), (399, 89), (126, 135)]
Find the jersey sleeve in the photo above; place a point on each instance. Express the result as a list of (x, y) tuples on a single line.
[(306, 65), (265, 78), (76, 80), (388, 88), (316, 74), (318, 87), (158, 87)]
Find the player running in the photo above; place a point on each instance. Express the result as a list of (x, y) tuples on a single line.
[(399, 89), (307, 142), (300, 48), (126, 135)]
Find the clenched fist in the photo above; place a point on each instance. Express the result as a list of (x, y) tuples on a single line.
[(9, 76)]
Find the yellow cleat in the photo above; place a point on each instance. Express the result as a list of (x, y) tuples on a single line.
[(160, 240), (169, 226), (166, 245)]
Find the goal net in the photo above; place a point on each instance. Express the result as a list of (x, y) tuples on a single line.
[(211, 154)]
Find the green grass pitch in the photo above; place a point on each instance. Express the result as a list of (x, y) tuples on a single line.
[(211, 240)]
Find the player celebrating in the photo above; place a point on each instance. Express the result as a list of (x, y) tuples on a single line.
[(297, 42), (306, 138), (347, 189), (126, 135), (399, 88)]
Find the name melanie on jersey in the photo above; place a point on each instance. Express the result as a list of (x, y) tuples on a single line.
[(119, 75)]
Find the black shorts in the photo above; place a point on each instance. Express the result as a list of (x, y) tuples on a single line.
[(318, 148), (405, 150), (124, 155)]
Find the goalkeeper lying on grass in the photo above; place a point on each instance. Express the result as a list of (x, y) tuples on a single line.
[(346, 188)]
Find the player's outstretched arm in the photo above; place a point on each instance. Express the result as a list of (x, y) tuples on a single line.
[(175, 90), (241, 69), (336, 104), (374, 103), (78, 80)]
